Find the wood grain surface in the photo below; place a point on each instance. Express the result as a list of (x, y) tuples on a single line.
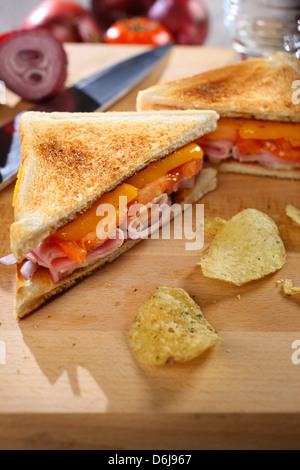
[(70, 379)]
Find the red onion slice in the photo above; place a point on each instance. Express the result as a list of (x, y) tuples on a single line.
[(28, 269), (8, 260), (33, 64)]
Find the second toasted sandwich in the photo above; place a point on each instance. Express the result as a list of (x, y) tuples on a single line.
[(259, 128), (72, 164)]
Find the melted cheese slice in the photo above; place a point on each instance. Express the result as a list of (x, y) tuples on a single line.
[(162, 167), (16, 190), (87, 222), (260, 130)]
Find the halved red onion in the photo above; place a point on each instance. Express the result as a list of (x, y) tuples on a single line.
[(33, 64), (8, 260), (28, 269)]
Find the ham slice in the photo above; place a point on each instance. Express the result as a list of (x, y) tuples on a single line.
[(49, 256), (265, 159), (217, 150), (142, 225)]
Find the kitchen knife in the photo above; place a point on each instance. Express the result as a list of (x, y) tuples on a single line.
[(99, 90)]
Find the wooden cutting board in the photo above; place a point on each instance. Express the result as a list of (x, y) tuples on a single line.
[(70, 380)]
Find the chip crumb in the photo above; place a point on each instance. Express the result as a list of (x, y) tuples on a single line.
[(294, 214), (239, 297), (288, 287), (170, 327), (228, 350)]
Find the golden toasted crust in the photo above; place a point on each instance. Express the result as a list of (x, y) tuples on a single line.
[(258, 88), (33, 293), (70, 159)]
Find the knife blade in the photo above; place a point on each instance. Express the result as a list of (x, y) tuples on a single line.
[(99, 90)]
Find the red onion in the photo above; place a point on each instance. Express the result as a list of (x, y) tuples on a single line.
[(8, 260), (187, 20), (33, 64), (67, 21), (28, 269), (108, 12)]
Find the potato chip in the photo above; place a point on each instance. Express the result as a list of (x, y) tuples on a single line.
[(213, 225), (293, 213), (248, 247), (170, 327), (289, 289)]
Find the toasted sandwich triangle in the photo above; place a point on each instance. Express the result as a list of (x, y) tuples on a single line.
[(70, 159), (259, 88)]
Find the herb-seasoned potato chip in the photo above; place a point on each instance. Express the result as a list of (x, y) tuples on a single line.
[(170, 327), (248, 247), (289, 289), (293, 213), (213, 225)]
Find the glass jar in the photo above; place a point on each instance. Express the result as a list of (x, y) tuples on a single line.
[(260, 27)]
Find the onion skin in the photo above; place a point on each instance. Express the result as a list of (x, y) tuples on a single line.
[(33, 64), (187, 20), (67, 21)]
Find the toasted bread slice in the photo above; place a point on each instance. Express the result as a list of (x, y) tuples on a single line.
[(71, 159), (234, 166), (33, 293), (254, 89)]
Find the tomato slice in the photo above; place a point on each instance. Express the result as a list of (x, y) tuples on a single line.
[(249, 145), (281, 148), (160, 168), (72, 250), (166, 182)]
